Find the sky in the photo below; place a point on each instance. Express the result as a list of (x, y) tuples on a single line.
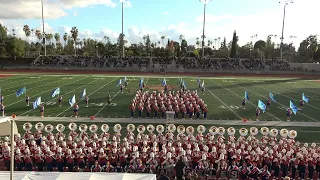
[(98, 18)]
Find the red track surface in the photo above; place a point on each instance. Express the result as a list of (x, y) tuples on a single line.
[(5, 75), (203, 74)]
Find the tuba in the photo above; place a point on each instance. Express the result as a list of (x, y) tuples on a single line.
[(160, 129), (27, 126), (93, 128), (117, 128), (73, 126), (130, 128), (254, 131), (104, 128), (60, 128), (213, 130), (190, 130), (292, 134), (141, 129), (243, 132), (231, 131), (274, 132), (221, 131), (83, 128), (39, 126), (150, 128), (284, 133), (201, 129), (181, 129), (48, 128), (264, 131), (171, 128)]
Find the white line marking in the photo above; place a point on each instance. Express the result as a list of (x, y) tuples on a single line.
[(88, 95)]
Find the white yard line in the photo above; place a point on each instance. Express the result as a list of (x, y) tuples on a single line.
[(11, 80), (287, 97), (275, 102), (248, 101), (53, 100), (111, 99), (46, 91), (225, 104), (88, 95)]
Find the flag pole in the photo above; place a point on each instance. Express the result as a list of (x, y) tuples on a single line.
[(12, 150)]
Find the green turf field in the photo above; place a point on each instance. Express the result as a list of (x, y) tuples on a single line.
[(223, 95)]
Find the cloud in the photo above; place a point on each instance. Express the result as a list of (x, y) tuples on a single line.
[(165, 13), (75, 14), (53, 9), (211, 18)]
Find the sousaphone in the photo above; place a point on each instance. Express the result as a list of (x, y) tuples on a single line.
[(60, 128), (160, 129), (141, 129), (231, 131), (221, 131), (264, 131), (27, 126), (150, 128), (254, 131), (274, 132), (104, 127), (181, 129), (190, 130), (284, 133), (73, 126), (171, 128), (48, 128), (131, 127), (243, 132), (201, 129), (39, 126), (213, 130), (83, 128), (93, 128), (292, 134), (117, 128)]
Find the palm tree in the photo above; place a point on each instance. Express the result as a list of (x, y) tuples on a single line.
[(219, 38), (162, 39), (215, 43), (49, 37), (105, 39), (180, 38), (38, 35), (197, 42), (159, 43), (74, 34), (27, 31), (209, 43), (14, 34), (32, 34), (57, 37)]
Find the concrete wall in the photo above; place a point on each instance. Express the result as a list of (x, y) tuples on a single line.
[(308, 66)]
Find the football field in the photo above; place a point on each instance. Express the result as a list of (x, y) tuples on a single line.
[(223, 96)]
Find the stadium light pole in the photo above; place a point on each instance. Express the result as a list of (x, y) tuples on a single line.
[(204, 22), (122, 35), (286, 3), (43, 34)]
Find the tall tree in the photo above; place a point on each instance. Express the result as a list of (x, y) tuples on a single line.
[(234, 45), (312, 45), (162, 39), (65, 38), (74, 34)]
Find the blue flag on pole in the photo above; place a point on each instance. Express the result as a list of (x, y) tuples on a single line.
[(293, 108), (164, 82), (20, 91), (141, 82), (55, 92), (119, 82), (198, 81), (184, 84), (305, 98), (272, 97), (84, 93), (37, 103), (125, 79), (72, 101), (262, 106), (246, 95)]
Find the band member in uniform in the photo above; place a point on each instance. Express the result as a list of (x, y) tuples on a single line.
[(244, 171), (2, 109), (121, 88), (75, 110), (27, 100), (148, 111), (1, 99), (265, 174), (301, 104), (268, 103), (166, 88), (60, 100), (244, 103), (205, 111), (42, 110), (96, 167), (203, 90), (258, 113), (289, 113), (86, 99)]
